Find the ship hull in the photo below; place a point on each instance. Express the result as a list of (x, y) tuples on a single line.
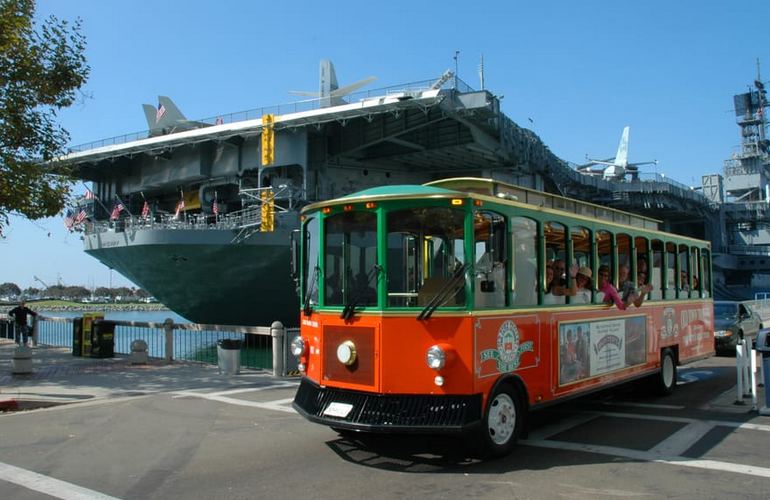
[(203, 275)]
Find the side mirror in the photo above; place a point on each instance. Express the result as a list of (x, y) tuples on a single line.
[(294, 249)]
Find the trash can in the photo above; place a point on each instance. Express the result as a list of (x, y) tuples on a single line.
[(5, 328), (77, 336), (103, 339), (229, 356)]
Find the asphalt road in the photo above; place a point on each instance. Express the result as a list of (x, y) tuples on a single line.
[(248, 443)]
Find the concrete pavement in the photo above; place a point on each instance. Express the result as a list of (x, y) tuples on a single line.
[(58, 377)]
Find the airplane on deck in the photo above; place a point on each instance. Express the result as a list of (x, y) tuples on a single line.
[(329, 92), (167, 119), (618, 167)]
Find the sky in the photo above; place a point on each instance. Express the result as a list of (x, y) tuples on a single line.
[(574, 72)]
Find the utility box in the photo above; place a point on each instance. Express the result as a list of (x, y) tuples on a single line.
[(103, 339), (88, 330), (77, 336)]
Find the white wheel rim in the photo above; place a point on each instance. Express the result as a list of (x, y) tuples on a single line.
[(668, 371), (501, 420)]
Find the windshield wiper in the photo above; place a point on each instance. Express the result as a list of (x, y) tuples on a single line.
[(350, 307), (448, 290), (306, 305)]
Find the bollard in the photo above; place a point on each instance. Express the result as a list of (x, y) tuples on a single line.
[(746, 368), (753, 372), (22, 360), (138, 352), (168, 328), (739, 372), (35, 330), (277, 332)]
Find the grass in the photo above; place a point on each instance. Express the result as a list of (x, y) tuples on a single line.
[(62, 304)]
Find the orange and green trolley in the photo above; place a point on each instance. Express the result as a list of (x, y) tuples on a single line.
[(425, 308)]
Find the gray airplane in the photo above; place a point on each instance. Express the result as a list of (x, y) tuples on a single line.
[(329, 92), (167, 119), (616, 168)]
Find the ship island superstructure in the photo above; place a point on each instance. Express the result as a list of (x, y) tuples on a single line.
[(742, 199), (209, 207)]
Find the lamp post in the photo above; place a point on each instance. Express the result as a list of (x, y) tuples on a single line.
[(457, 53)]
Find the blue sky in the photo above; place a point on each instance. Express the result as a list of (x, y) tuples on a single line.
[(580, 71)]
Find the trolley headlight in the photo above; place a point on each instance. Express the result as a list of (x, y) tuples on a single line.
[(723, 333), (346, 353), (435, 357), (297, 346)]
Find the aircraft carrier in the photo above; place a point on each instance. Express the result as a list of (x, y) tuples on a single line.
[(200, 213)]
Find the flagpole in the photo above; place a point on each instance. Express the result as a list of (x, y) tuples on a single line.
[(96, 198), (125, 207)]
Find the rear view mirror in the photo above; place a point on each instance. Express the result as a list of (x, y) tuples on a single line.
[(294, 249)]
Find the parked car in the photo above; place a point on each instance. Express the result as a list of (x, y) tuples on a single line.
[(733, 321)]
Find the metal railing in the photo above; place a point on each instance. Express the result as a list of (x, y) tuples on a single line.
[(250, 216), (282, 109), (179, 341)]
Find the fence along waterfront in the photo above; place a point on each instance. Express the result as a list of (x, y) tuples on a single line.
[(179, 341)]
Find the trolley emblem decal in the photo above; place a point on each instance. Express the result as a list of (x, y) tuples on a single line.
[(509, 351)]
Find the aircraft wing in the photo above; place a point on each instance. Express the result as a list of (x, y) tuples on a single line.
[(347, 89)]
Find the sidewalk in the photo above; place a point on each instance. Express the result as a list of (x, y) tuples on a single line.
[(59, 377)]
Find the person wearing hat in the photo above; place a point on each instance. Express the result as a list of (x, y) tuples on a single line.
[(580, 286)]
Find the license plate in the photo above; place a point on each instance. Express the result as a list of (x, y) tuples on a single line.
[(339, 410)]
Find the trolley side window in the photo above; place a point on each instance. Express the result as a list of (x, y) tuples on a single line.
[(706, 272), (656, 276), (556, 259), (582, 256), (524, 240), (491, 259), (425, 251)]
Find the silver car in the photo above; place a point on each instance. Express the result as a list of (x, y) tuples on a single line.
[(733, 321)]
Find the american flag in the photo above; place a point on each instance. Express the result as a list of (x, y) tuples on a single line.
[(145, 210), (81, 216), (159, 114), (116, 211), (69, 219), (179, 208), (215, 207), (90, 195)]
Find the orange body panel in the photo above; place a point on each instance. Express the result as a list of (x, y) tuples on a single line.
[(556, 353)]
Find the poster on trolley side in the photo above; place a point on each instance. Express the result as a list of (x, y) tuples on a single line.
[(592, 348)]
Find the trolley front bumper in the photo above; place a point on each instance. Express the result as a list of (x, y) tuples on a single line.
[(397, 413)]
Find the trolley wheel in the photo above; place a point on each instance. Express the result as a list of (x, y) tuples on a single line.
[(503, 421), (666, 378)]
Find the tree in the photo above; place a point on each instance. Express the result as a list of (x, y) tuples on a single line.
[(41, 70), (10, 289)]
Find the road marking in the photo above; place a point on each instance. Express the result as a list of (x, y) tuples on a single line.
[(682, 440), (693, 376), (277, 405), (48, 485), (645, 456), (643, 405)]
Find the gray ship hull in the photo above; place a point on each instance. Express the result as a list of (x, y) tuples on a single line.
[(203, 275)]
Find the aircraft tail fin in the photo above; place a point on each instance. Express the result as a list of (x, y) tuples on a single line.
[(149, 114), (621, 158)]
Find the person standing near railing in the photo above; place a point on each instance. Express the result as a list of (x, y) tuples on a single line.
[(19, 315)]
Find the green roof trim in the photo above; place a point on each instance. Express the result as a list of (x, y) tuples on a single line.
[(402, 190)]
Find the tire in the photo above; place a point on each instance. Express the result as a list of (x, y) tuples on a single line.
[(666, 378), (503, 421)]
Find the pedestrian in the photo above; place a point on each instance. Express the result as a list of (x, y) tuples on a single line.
[(19, 314)]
